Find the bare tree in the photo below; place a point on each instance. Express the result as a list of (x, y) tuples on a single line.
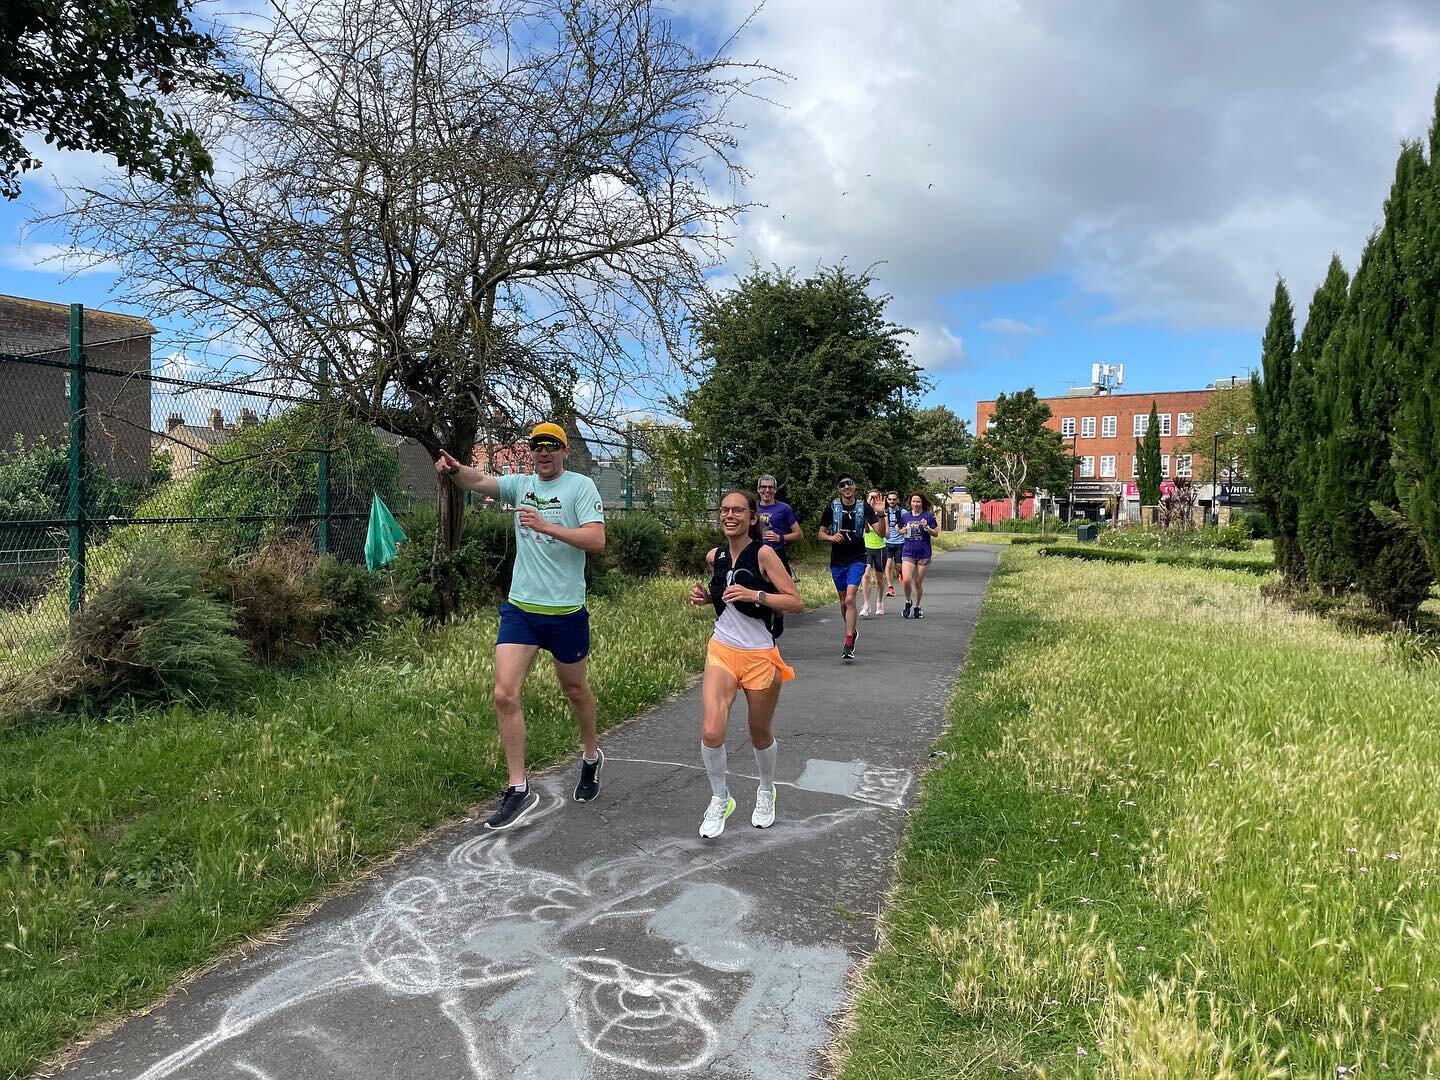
[(439, 212)]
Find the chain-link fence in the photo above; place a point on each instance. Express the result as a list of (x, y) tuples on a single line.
[(100, 452)]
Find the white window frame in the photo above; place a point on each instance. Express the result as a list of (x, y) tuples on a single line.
[(1067, 427), (1164, 425), (1185, 423), (1134, 466), (1164, 466), (1087, 427), (1107, 466), (194, 457), (1184, 466), (1109, 425), (1087, 467), (1140, 424)]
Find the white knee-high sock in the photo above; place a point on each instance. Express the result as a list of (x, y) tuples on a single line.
[(765, 765), (715, 764)]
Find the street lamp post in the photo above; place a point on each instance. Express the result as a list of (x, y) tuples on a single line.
[(1074, 464), (1215, 476)]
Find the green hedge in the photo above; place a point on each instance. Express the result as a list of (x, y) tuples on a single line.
[(1258, 565)]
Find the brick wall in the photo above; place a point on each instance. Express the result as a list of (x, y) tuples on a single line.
[(34, 401), (1121, 446)]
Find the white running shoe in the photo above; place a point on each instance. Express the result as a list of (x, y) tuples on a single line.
[(880, 608), (864, 611), (764, 815), (716, 814)]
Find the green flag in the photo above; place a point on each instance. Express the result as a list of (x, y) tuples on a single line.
[(382, 537)]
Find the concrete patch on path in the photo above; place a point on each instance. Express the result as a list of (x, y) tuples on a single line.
[(606, 941)]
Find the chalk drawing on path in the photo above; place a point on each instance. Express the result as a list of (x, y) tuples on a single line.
[(522, 963)]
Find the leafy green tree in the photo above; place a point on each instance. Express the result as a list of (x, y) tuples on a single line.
[(1308, 421), (1230, 413), (806, 379), (1017, 454), (1273, 452), (1417, 426), (35, 485), (1373, 546), (91, 76), (941, 437), (1147, 455), (267, 474)]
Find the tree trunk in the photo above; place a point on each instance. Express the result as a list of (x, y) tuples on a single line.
[(1015, 507)]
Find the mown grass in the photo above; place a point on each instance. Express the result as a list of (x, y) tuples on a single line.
[(1180, 832), (142, 845)]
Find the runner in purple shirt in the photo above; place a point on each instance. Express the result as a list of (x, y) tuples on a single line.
[(917, 526), (779, 525)]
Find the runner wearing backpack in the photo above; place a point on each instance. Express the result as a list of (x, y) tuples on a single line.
[(748, 586), (843, 527)]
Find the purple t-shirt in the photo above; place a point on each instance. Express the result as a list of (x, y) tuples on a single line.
[(918, 546), (778, 518)]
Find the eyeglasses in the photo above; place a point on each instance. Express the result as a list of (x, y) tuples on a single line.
[(734, 511), (546, 444)]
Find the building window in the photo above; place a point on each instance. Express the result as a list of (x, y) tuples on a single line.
[(1164, 465), (1135, 467), (1107, 465), (1087, 428), (67, 386), (1087, 466), (1184, 463), (194, 457), (1249, 429), (1067, 427), (1185, 424), (1141, 424), (1108, 427), (1164, 424)]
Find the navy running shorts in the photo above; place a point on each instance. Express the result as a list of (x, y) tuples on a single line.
[(565, 637)]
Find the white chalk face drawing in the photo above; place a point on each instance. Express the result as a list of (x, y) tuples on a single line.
[(514, 958)]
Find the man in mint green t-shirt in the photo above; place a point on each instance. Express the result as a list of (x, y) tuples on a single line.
[(559, 519)]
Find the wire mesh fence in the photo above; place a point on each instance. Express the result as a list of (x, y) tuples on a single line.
[(99, 453)]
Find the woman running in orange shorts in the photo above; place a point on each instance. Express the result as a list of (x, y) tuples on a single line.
[(748, 584)]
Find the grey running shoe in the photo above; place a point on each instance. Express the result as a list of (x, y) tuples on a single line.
[(764, 815), (589, 784), (716, 814), (514, 805)]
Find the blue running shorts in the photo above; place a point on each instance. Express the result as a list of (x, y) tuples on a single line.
[(565, 637), (848, 577)]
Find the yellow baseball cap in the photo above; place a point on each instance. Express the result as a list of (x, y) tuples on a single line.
[(552, 431)]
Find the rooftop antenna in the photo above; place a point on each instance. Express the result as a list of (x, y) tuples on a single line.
[(1107, 378)]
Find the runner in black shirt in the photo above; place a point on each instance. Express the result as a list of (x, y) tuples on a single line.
[(843, 526)]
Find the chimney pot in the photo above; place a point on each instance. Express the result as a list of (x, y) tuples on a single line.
[(216, 420), (173, 421)]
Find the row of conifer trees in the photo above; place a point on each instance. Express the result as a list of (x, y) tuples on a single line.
[(1347, 462)]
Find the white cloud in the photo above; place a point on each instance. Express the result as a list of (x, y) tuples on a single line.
[(1170, 157), (1010, 327), (47, 258), (936, 347)]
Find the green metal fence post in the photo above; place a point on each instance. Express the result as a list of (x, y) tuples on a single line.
[(77, 456), (322, 544)]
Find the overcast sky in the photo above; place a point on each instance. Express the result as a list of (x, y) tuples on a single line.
[(1050, 183)]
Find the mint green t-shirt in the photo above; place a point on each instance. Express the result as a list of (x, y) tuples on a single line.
[(548, 574)]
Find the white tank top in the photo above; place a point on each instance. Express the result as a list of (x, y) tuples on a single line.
[(742, 632)]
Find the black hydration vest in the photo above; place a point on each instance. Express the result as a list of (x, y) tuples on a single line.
[(745, 573)]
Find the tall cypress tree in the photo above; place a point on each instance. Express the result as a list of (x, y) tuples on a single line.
[(1148, 453), (1271, 458), (1378, 553), (1417, 428), (1308, 419)]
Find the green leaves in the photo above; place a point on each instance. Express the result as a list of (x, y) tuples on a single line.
[(89, 76)]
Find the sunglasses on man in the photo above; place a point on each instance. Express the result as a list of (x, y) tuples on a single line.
[(546, 444)]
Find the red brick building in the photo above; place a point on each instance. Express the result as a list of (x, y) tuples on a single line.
[(35, 399), (1103, 427)]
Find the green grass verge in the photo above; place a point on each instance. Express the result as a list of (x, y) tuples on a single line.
[(1180, 832), (1206, 560), (142, 845)]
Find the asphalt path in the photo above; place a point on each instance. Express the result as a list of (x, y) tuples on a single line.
[(606, 940)]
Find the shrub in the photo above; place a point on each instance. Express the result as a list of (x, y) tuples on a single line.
[(1232, 537), (689, 546), (1093, 554), (1256, 525), (354, 605), (635, 544), (278, 611), (150, 633), (480, 566)]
